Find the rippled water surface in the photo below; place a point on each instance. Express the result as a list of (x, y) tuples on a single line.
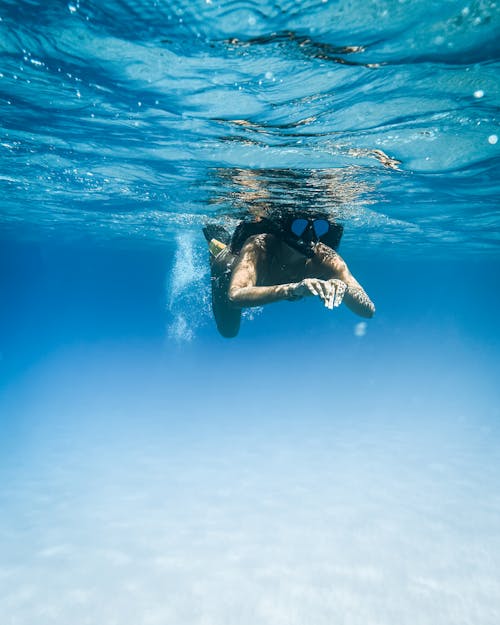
[(136, 118)]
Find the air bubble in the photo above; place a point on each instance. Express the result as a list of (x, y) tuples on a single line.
[(479, 93), (360, 329), (493, 139)]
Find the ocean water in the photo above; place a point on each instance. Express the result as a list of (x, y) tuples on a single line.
[(319, 468)]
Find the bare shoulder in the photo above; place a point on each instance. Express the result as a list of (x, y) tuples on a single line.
[(251, 264), (328, 256), (259, 245)]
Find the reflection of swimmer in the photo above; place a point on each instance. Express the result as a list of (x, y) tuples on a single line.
[(286, 257)]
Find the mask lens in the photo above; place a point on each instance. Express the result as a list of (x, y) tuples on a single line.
[(321, 227), (298, 226)]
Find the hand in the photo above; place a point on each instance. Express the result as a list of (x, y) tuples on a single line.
[(331, 292), (336, 291)]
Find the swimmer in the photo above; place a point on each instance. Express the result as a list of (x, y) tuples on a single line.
[(286, 257)]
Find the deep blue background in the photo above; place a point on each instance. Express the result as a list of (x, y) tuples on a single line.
[(432, 313)]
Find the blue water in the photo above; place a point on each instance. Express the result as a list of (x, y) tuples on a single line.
[(318, 468)]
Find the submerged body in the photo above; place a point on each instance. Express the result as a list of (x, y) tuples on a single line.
[(268, 270)]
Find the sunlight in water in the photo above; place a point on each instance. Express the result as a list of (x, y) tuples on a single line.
[(323, 467)]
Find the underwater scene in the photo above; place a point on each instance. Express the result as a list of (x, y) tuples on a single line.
[(249, 320)]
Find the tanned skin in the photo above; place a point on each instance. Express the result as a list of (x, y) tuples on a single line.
[(268, 270)]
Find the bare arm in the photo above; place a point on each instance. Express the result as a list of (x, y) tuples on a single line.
[(355, 297), (243, 289), (249, 270)]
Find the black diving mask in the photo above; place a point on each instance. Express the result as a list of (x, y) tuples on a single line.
[(308, 228), (303, 234)]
